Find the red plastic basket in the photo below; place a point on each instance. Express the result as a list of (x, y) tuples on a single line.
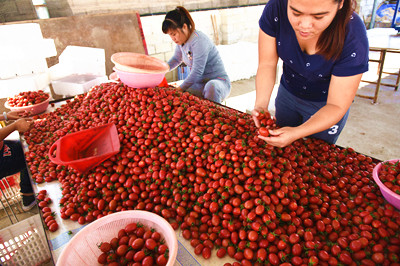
[(85, 149), (10, 182)]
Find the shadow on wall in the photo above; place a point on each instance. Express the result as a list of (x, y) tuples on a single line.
[(21, 10), (59, 8), (16, 10)]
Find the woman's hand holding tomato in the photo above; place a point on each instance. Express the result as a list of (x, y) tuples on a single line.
[(280, 137), (23, 124), (262, 118), (267, 131), (257, 115)]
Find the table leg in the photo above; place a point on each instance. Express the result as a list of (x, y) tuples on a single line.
[(381, 63)]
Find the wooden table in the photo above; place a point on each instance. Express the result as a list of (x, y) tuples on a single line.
[(382, 40)]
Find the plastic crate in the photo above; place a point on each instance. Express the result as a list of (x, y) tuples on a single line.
[(10, 190), (76, 84), (23, 50), (12, 181), (24, 243)]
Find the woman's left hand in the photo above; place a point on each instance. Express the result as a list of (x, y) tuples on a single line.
[(280, 137), (14, 115)]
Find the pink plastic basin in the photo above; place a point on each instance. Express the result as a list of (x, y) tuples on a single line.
[(388, 194), (140, 80), (138, 63), (31, 109), (82, 248)]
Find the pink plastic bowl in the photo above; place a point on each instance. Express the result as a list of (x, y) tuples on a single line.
[(32, 109), (82, 248), (140, 80), (388, 194), (138, 63)]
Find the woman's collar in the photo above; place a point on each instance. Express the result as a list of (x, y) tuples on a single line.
[(190, 37)]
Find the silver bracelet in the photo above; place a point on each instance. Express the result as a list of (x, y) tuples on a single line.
[(5, 116)]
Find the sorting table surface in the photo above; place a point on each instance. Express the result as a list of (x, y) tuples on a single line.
[(67, 229)]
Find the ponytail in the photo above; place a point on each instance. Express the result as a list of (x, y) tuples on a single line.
[(175, 19)]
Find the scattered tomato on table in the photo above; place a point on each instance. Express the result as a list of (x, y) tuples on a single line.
[(47, 214)]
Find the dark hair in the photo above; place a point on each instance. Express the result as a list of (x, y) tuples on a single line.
[(176, 19), (331, 42)]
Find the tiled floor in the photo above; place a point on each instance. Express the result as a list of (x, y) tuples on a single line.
[(20, 215)]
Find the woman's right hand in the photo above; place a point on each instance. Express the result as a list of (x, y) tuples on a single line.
[(14, 115), (281, 137), (23, 124)]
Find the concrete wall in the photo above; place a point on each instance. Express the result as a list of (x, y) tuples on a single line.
[(237, 23), (16, 10), (72, 7), (20, 10)]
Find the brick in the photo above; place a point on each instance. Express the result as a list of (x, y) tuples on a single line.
[(8, 7), (25, 7), (164, 47), (151, 49), (168, 55), (254, 2), (159, 56)]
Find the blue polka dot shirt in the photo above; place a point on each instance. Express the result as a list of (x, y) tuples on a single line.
[(308, 76)]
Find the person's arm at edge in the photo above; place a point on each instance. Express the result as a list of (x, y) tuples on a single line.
[(342, 91), (266, 73), (341, 94), (21, 125), (176, 59)]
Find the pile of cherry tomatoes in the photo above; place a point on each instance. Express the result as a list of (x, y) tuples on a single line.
[(389, 174), (202, 167), (47, 214), (27, 98), (134, 244)]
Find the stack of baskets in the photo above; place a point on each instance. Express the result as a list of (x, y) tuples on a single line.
[(139, 70)]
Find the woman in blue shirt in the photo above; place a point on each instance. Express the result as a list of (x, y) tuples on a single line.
[(324, 49), (207, 77)]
